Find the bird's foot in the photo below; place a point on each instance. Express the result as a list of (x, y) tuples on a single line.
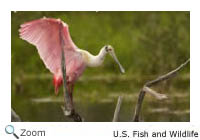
[(66, 112)]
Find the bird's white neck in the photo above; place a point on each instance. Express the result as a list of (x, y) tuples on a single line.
[(94, 60)]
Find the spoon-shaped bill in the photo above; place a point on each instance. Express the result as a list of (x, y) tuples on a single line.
[(112, 53)]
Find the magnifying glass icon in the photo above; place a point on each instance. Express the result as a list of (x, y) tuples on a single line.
[(10, 130)]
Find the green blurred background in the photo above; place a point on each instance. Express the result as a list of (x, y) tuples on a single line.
[(148, 44)]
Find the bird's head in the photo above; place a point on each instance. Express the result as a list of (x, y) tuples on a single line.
[(109, 49)]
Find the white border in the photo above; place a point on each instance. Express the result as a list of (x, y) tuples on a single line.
[(98, 130)]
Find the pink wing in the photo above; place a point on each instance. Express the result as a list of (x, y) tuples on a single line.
[(45, 35)]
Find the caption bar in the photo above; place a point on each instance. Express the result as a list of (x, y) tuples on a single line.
[(156, 134)]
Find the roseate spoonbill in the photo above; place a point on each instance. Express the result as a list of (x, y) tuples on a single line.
[(45, 34)]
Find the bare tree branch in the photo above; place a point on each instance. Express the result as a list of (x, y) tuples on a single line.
[(117, 109), (152, 92), (167, 76), (68, 107), (14, 116)]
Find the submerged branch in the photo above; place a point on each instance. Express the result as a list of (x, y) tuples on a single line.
[(146, 88)]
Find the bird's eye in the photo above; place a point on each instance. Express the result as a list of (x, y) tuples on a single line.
[(106, 48)]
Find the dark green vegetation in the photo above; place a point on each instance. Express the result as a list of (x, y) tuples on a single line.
[(148, 44)]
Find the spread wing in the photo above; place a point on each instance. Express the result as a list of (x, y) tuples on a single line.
[(46, 34)]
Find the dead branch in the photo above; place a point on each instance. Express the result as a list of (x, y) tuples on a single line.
[(146, 89), (68, 107), (117, 109), (167, 76), (14, 116), (155, 94)]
